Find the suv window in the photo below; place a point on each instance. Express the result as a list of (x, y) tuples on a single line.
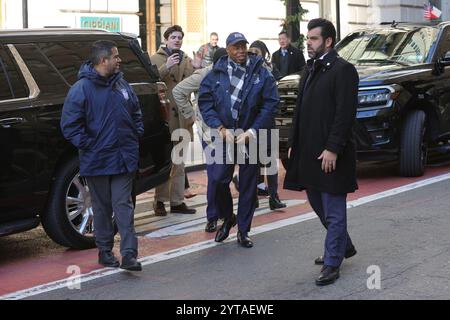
[(44, 73), (400, 46), (67, 57), (444, 46), (12, 84)]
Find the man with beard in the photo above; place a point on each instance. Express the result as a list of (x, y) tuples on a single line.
[(322, 157), (102, 118)]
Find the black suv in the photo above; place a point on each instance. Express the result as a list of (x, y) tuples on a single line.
[(404, 93), (39, 176)]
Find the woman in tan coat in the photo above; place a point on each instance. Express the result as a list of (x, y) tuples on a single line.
[(174, 66)]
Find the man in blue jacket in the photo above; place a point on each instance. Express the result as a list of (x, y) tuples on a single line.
[(102, 118), (239, 93)]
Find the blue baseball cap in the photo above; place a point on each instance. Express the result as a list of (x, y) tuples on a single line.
[(235, 37)]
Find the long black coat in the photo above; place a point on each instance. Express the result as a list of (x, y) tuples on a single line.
[(324, 118), (296, 60)]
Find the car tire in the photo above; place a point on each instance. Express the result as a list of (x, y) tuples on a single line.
[(413, 145), (68, 195)]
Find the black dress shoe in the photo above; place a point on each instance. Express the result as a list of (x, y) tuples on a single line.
[(211, 226), (244, 240), (224, 230), (130, 263), (328, 275), (348, 254), (182, 208), (275, 203), (107, 259), (159, 208)]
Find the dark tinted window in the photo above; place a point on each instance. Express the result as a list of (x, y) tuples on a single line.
[(12, 84), (68, 57), (444, 45), (45, 75), (132, 68)]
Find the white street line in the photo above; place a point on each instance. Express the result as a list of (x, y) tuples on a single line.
[(199, 223), (96, 274)]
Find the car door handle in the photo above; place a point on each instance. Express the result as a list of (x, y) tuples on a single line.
[(8, 122)]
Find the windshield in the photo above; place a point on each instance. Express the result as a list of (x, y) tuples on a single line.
[(399, 46)]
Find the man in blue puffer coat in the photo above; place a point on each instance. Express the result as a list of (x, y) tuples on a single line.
[(102, 118), (239, 93)]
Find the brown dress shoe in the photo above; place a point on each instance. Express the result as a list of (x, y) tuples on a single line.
[(159, 209)]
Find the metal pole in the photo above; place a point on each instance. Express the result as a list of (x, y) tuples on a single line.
[(25, 13), (338, 21)]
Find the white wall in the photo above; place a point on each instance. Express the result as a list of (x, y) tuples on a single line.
[(257, 20)]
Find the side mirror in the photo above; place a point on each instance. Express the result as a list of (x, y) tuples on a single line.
[(441, 63), (446, 59)]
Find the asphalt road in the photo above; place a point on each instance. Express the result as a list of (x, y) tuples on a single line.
[(405, 237)]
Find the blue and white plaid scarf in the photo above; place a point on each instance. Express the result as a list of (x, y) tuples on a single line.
[(237, 78)]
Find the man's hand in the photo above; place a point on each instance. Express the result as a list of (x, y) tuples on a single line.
[(172, 60), (328, 161), (226, 135), (197, 61), (244, 137)]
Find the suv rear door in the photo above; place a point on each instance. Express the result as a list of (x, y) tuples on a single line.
[(17, 137)]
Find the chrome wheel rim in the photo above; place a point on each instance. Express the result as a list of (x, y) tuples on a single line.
[(79, 207)]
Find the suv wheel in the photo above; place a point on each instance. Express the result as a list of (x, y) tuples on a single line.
[(413, 147), (69, 217)]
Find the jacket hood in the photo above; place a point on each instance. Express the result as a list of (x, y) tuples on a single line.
[(88, 71)]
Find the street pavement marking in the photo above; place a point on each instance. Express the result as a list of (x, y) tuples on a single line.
[(199, 223), (100, 273)]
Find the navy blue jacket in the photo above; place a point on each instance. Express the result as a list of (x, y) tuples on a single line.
[(259, 98), (102, 118)]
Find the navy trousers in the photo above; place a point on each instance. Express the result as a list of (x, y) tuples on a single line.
[(332, 212), (220, 201)]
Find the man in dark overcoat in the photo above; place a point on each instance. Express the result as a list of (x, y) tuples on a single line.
[(322, 150), (288, 59)]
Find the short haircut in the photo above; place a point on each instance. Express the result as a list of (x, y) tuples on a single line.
[(101, 49), (283, 32), (172, 29), (213, 34), (327, 29)]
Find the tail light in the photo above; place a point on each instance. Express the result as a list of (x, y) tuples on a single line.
[(164, 107)]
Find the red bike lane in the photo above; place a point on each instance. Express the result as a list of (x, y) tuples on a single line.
[(23, 272)]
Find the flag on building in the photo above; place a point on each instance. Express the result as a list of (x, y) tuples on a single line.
[(431, 12)]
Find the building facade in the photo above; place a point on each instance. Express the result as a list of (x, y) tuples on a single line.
[(257, 19)]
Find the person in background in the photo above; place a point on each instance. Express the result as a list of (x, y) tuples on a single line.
[(322, 156), (101, 117), (174, 66), (259, 47), (288, 59), (207, 50), (182, 96)]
